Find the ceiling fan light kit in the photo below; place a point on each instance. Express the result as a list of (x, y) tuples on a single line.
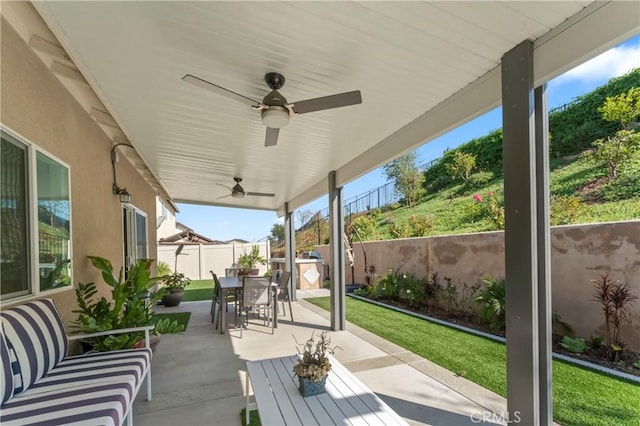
[(275, 117), (274, 109)]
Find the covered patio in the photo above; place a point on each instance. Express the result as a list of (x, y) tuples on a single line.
[(198, 376), (87, 82)]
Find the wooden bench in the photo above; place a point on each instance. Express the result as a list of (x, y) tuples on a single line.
[(40, 384), (346, 401)]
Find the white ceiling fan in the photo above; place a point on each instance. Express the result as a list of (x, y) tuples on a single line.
[(275, 110), (238, 191)]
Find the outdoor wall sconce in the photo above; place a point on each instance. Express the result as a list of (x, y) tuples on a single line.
[(122, 193)]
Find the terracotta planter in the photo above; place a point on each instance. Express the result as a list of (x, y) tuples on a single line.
[(173, 298)]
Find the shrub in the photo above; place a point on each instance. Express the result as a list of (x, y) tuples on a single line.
[(489, 207), (460, 165), (436, 183), (558, 326), (420, 225), (432, 288), (565, 209), (492, 302), (399, 286), (163, 269), (399, 229), (479, 180), (365, 227), (450, 295), (595, 342), (577, 345)]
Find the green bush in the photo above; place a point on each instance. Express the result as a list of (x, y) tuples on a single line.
[(576, 345), (565, 209), (479, 180), (420, 225), (492, 300), (399, 229), (399, 286), (365, 227)]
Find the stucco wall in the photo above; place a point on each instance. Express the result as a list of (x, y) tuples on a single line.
[(35, 105), (579, 254)]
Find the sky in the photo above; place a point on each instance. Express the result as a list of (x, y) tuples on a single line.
[(223, 223)]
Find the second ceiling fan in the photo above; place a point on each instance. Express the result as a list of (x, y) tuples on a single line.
[(274, 108)]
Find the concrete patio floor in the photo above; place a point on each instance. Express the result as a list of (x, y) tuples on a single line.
[(198, 376)]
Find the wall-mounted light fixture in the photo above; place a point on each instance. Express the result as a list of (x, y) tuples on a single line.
[(124, 195)]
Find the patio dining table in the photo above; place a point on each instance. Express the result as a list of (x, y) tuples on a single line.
[(230, 285)]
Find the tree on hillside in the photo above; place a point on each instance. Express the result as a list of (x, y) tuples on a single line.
[(277, 232), (617, 149), (406, 176), (461, 165), (304, 216)]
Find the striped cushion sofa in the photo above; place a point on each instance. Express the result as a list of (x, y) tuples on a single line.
[(40, 385)]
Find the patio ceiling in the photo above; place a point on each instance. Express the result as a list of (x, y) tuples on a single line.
[(422, 68)]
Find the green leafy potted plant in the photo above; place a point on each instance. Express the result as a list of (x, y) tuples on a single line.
[(129, 307), (248, 262), (175, 285), (313, 366)]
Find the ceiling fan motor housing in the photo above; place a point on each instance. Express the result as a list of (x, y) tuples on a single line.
[(274, 80)]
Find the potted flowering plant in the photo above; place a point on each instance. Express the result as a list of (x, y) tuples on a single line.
[(313, 366)]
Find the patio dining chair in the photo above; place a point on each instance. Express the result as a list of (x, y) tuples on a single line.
[(283, 290), (256, 297), (215, 302)]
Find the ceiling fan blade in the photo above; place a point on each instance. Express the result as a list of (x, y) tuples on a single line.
[(260, 194), (224, 186), (196, 81), (328, 102), (271, 138)]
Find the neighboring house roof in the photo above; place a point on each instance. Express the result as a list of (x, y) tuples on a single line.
[(184, 227), (187, 237), (237, 240)]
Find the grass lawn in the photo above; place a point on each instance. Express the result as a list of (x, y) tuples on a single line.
[(198, 290), (580, 396)]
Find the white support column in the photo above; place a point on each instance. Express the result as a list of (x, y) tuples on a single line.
[(336, 224), (290, 250), (525, 243)]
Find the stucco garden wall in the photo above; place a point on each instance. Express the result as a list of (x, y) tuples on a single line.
[(36, 105), (579, 254)]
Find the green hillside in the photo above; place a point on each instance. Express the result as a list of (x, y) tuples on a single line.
[(581, 189)]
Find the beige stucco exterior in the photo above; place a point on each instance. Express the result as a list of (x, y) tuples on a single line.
[(36, 105), (579, 254)]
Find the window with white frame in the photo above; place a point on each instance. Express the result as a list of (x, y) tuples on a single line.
[(135, 239), (35, 220)]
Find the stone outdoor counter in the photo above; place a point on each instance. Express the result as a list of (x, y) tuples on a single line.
[(309, 272)]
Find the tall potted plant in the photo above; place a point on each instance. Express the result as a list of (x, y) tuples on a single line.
[(175, 285), (130, 304), (248, 262)]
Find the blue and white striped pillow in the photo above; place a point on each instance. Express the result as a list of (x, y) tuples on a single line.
[(35, 332), (6, 373)]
